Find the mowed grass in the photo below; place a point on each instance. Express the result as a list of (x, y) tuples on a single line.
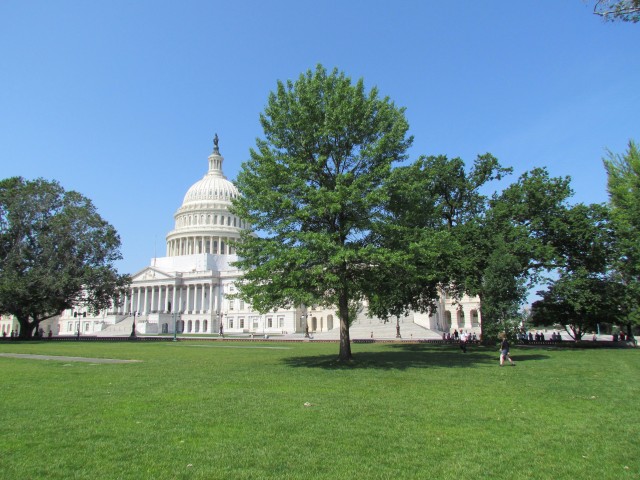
[(208, 410)]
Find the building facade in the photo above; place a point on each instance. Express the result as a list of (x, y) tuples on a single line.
[(189, 291)]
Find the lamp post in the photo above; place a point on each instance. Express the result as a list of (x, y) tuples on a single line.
[(398, 326), (220, 317), (133, 327), (175, 328), (79, 315)]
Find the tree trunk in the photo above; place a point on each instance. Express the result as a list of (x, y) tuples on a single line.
[(26, 328), (345, 341)]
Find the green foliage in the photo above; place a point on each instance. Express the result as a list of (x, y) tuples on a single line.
[(623, 184), (516, 245), (312, 190), (55, 252), (431, 204), (618, 10), (584, 293)]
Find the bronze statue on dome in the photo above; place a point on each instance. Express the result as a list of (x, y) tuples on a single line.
[(215, 144)]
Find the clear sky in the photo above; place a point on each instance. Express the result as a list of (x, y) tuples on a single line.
[(120, 99)]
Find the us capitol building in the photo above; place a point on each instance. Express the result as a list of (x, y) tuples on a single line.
[(188, 290)]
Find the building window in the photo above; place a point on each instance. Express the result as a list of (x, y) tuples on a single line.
[(230, 320), (255, 323), (241, 305), (280, 322), (231, 302), (197, 326), (205, 324), (241, 319), (270, 322)]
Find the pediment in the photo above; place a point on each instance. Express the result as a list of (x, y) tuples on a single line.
[(151, 273)]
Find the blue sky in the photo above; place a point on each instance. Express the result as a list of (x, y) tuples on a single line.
[(120, 100)]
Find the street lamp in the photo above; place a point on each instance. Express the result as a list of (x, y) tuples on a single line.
[(79, 315), (175, 329), (133, 327), (220, 317)]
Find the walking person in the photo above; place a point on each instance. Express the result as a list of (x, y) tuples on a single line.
[(504, 352), (463, 341)]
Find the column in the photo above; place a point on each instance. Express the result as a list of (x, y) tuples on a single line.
[(146, 298), (211, 297), (153, 298), (138, 300), (174, 306), (467, 318), (203, 299)]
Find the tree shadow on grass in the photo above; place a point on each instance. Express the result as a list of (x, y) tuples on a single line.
[(404, 356)]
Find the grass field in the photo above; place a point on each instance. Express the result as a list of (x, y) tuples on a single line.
[(209, 410)]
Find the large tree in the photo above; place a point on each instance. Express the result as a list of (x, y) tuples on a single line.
[(56, 252), (623, 185), (430, 203), (313, 193), (584, 292), (510, 244)]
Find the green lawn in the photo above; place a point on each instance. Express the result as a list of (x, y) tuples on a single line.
[(235, 410)]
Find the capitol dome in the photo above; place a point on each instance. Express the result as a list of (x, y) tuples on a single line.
[(214, 186), (203, 224)]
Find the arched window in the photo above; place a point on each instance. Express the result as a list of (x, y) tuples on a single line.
[(197, 330), (189, 326), (205, 326)]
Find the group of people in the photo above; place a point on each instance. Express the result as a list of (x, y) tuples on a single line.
[(457, 336), (462, 337), (621, 336), (525, 337)]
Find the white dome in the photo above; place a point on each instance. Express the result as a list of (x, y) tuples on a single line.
[(213, 186), (203, 223)]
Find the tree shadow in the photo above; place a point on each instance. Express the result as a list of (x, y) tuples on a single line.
[(404, 356)]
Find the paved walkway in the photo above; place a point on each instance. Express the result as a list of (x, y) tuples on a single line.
[(66, 359)]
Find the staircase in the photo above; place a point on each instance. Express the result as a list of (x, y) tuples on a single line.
[(365, 328), (120, 329)]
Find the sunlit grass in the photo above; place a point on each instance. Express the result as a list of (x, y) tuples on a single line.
[(208, 410)]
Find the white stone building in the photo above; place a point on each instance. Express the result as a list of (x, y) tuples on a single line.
[(187, 290)]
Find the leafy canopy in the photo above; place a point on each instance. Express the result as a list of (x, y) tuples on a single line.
[(312, 191), (55, 252)]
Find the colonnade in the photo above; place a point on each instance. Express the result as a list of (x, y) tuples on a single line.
[(200, 244), (189, 298), (465, 318)]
